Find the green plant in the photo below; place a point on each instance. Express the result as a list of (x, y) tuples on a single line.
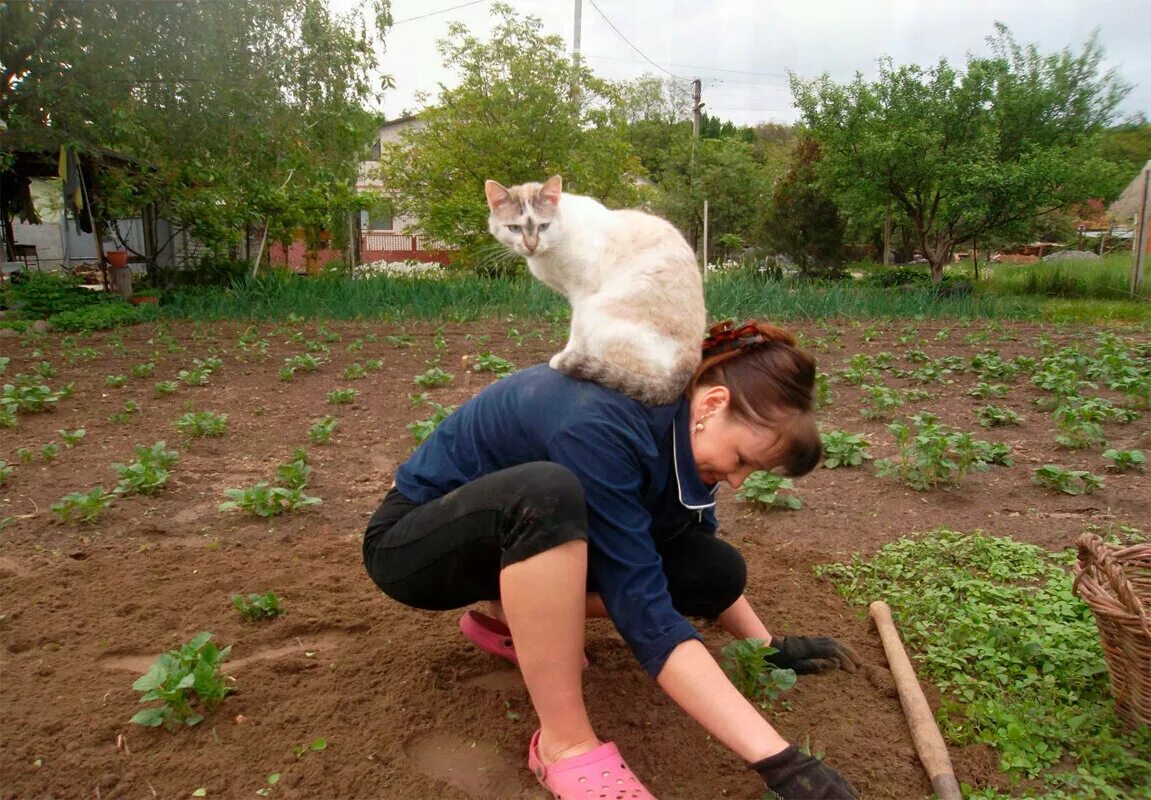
[(423, 428), (24, 455), (72, 438), (986, 390), (824, 396), (304, 362), (7, 416), (49, 451), (166, 387), (1077, 430), (314, 746), (1016, 656), (931, 455), (143, 370), (45, 370), (354, 372), (194, 377), (743, 661), (1052, 476), (193, 672), (346, 396), (487, 362), (294, 473), (322, 430), (400, 342), (433, 376), (202, 423), (81, 506), (258, 606), (1126, 460), (766, 490), (271, 780), (96, 317), (30, 398), (374, 364), (996, 416), (115, 381), (880, 401), (287, 374), (6, 471), (843, 449), (150, 471), (265, 500)]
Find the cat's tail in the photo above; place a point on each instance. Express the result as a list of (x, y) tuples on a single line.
[(648, 387)]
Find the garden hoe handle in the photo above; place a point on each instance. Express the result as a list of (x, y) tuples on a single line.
[(924, 732)]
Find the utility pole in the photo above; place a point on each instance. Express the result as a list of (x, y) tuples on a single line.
[(697, 106), (577, 32)]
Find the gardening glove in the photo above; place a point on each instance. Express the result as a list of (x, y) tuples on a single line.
[(810, 654), (794, 775)]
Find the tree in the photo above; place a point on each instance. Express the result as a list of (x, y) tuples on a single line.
[(802, 222), (242, 112), (658, 114), (966, 154), (521, 112)]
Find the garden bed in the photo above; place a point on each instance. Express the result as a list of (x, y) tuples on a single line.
[(406, 708)]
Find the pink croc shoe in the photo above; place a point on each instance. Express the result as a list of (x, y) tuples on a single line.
[(491, 636), (599, 773)]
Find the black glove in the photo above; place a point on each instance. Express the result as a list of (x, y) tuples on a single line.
[(810, 654), (793, 775)]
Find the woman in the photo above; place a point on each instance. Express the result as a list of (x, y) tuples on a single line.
[(556, 499)]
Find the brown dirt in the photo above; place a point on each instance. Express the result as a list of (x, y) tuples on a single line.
[(407, 707)]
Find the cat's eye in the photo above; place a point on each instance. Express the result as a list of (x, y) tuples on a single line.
[(514, 228), (544, 226)]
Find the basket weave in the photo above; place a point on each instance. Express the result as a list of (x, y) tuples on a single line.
[(1115, 582)]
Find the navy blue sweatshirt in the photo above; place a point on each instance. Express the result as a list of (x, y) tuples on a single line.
[(636, 468)]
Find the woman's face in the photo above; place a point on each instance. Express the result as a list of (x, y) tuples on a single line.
[(728, 449)]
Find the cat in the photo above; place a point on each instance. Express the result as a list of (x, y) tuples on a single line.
[(632, 280)]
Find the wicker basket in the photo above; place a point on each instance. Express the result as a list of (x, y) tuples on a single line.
[(1116, 584)]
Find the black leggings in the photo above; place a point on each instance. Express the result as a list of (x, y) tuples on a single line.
[(448, 552)]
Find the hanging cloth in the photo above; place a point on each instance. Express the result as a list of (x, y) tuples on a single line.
[(69, 170)]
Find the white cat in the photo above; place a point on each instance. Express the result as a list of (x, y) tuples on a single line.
[(635, 289)]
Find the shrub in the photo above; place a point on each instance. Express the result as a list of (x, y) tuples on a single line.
[(96, 317), (44, 294)]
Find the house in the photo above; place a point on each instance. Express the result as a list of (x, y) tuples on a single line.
[(1133, 203)]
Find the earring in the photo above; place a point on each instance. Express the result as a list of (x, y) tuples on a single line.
[(699, 426)]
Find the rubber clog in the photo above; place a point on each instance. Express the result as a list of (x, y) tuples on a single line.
[(491, 636), (599, 773)]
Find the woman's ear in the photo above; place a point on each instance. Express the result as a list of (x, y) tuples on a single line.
[(713, 399)]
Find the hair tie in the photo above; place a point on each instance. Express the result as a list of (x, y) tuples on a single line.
[(724, 337)]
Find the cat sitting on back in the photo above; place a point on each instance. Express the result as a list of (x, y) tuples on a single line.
[(632, 280)]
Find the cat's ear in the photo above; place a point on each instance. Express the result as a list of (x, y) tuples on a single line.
[(498, 196), (551, 190)]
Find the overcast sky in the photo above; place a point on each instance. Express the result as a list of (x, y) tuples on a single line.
[(743, 49)]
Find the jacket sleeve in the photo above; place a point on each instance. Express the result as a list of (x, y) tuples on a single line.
[(622, 557)]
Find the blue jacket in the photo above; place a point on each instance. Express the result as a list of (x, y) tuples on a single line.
[(636, 468)]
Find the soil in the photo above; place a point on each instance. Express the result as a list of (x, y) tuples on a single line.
[(407, 707)]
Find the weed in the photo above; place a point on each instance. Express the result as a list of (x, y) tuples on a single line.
[(258, 606), (766, 490), (193, 672), (81, 506), (1052, 476)]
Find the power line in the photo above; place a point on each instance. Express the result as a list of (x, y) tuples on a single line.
[(695, 66), (434, 13), (632, 46)]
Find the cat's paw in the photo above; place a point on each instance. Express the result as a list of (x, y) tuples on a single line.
[(558, 360)]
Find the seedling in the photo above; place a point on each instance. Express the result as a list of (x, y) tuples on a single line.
[(7, 416), (322, 429), (149, 473), (265, 500), (258, 606), (932, 455), (765, 489), (72, 438), (202, 423), (354, 372), (287, 374), (194, 377), (400, 342), (30, 398), (143, 370), (843, 449), (24, 455), (880, 402), (272, 780), (996, 417), (294, 474), (422, 429), (487, 362), (305, 362), (343, 397), (179, 677), (314, 746), (49, 451), (6, 471), (209, 364), (374, 364), (1077, 429), (432, 377), (115, 381), (1054, 477), (743, 661), (45, 370), (355, 346), (83, 507), (823, 394), (1126, 460), (986, 390)]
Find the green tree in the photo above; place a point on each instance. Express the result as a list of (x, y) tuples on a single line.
[(965, 154), (243, 112), (802, 222), (1128, 147), (658, 114), (521, 112)]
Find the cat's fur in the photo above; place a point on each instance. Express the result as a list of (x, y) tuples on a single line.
[(632, 280)]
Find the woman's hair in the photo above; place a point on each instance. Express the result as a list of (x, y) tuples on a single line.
[(771, 382)]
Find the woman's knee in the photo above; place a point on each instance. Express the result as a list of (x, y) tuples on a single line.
[(551, 510), (707, 579)]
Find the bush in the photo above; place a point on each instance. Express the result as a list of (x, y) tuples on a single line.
[(43, 294), (107, 314)]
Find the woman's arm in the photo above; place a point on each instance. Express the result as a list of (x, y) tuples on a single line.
[(693, 679)]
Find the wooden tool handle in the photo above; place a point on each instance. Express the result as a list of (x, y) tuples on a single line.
[(929, 742)]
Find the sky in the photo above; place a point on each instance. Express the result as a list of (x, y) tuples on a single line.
[(742, 50)]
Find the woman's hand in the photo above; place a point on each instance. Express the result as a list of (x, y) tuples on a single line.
[(810, 654), (794, 775)]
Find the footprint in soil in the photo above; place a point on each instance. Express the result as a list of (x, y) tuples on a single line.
[(320, 642), (474, 767)]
